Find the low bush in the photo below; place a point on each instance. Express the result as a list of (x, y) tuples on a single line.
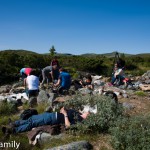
[(140, 93), (7, 108), (131, 134), (107, 113)]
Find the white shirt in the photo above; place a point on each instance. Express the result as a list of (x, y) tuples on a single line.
[(33, 82)]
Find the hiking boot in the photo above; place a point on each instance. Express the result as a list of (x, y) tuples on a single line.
[(7, 130)]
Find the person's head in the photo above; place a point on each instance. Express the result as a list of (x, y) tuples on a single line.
[(33, 72), (120, 63), (54, 67), (88, 77), (61, 69)]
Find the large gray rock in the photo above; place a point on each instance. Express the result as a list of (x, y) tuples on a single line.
[(81, 145), (46, 137), (32, 101), (5, 89), (51, 98), (127, 105), (147, 81), (85, 91), (148, 73), (42, 97), (18, 84)]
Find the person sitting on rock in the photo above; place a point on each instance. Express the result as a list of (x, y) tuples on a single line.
[(65, 116), (118, 74), (64, 81)]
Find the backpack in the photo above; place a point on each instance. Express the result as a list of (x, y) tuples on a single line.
[(28, 113)]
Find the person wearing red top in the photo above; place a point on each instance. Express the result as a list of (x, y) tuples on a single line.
[(54, 62)]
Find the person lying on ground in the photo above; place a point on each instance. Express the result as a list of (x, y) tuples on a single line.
[(65, 116), (64, 81)]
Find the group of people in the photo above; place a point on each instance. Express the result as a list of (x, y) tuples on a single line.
[(62, 80)]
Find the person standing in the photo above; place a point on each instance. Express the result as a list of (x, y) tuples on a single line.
[(54, 62)]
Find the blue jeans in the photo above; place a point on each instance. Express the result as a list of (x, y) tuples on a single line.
[(118, 77), (35, 121)]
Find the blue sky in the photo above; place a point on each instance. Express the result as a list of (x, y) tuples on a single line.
[(75, 26)]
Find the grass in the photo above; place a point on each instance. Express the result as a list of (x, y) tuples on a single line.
[(140, 93)]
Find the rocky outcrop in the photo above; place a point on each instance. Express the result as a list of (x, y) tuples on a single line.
[(80, 145), (5, 89)]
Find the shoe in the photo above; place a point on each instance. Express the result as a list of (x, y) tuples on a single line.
[(11, 124), (7, 130)]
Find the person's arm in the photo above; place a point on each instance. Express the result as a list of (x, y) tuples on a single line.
[(25, 82), (51, 73), (58, 82), (119, 71), (67, 122)]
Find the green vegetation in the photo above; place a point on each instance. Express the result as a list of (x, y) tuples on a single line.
[(109, 125), (11, 61), (140, 93), (7, 108), (131, 133), (107, 113)]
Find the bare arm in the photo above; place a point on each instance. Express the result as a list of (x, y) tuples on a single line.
[(25, 82), (67, 122), (58, 83), (51, 73)]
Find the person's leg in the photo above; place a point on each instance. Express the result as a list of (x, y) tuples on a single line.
[(113, 79), (32, 93), (20, 122), (23, 128), (121, 78), (27, 125), (44, 77)]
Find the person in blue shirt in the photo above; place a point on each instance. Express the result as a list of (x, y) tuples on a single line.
[(64, 81)]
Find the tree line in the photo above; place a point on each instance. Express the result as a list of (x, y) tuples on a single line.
[(11, 61)]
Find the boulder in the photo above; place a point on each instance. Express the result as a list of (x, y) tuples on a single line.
[(45, 137), (18, 84), (145, 87), (127, 105), (32, 101), (80, 145), (147, 81), (52, 96), (42, 97), (85, 91), (5, 89)]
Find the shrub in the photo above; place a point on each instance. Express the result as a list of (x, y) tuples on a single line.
[(107, 112), (7, 108), (131, 134), (140, 93)]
